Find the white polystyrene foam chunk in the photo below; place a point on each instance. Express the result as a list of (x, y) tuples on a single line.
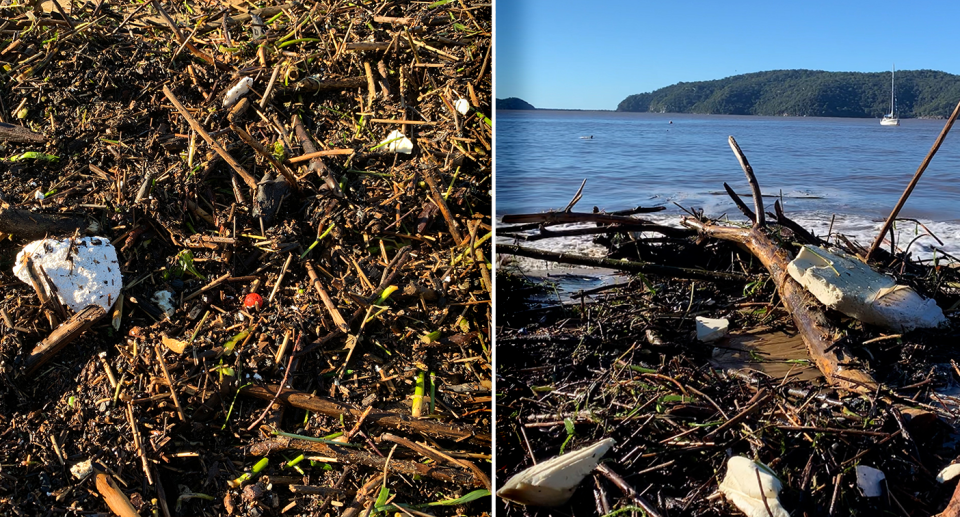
[(712, 329), (398, 143), (462, 105), (752, 487), (552, 482), (843, 283), (238, 90), (84, 273), (869, 480), (164, 300)]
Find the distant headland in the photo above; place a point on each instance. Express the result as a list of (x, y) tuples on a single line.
[(513, 103), (807, 93)]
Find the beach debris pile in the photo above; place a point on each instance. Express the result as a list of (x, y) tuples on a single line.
[(228, 260)]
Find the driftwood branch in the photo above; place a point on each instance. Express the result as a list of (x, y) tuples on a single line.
[(568, 217), (620, 265), (669, 231), (821, 339), (754, 186), (576, 198)]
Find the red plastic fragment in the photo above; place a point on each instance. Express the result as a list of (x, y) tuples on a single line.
[(253, 301)]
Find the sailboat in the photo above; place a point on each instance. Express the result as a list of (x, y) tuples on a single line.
[(891, 119)]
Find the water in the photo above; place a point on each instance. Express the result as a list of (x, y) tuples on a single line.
[(852, 168)]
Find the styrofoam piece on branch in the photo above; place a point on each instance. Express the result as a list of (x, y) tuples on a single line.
[(949, 472), (552, 482), (870, 481), (84, 271), (709, 329), (748, 483), (843, 283), (398, 143)]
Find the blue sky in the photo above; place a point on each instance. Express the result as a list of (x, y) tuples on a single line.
[(592, 55)]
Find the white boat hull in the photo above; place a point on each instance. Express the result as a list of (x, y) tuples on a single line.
[(889, 121)]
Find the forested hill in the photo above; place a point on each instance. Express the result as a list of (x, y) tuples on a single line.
[(920, 93)]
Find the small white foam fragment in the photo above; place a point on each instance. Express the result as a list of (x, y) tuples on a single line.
[(462, 105), (164, 300), (239, 90), (82, 470), (949, 472), (843, 283), (84, 271), (869, 480), (710, 329), (398, 143), (552, 482), (742, 488)]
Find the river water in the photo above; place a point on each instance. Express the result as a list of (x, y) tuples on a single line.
[(854, 169)]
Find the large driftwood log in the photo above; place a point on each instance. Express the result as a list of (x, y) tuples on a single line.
[(820, 338)]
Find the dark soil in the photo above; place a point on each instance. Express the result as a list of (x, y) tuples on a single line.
[(629, 366), (131, 167)]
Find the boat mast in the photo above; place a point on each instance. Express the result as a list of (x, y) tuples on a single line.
[(892, 78)]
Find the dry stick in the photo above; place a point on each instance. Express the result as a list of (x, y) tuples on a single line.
[(754, 186), (444, 209), (365, 492), (371, 85), (138, 443), (913, 182), (46, 300), (576, 197), (283, 271), (62, 336), (438, 456), (129, 16), (350, 455), (739, 202), (219, 280), (628, 490), (180, 38), (318, 154), (327, 301), (280, 389), (257, 146), (270, 85), (173, 389), (953, 507), (56, 3), (762, 494), (161, 494), (115, 498), (397, 421), (247, 178), (32, 225)]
